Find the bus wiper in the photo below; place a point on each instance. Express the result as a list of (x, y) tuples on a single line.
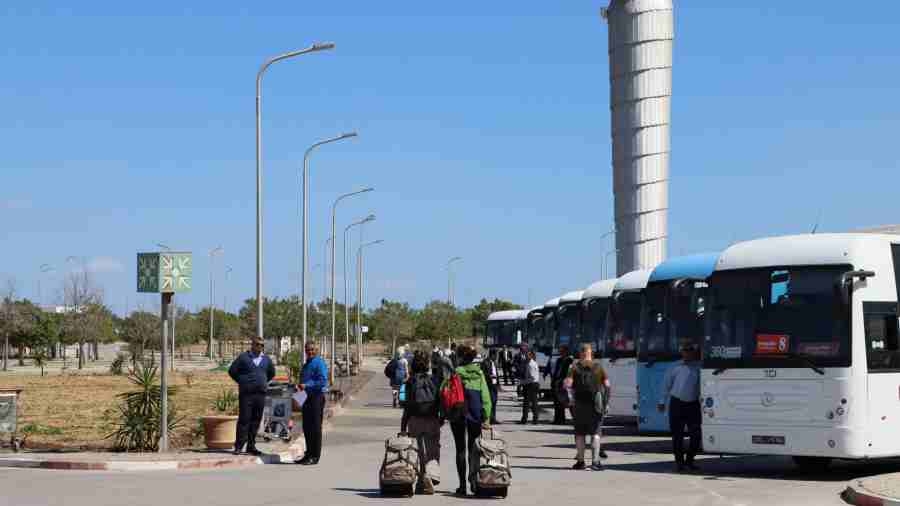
[(807, 360)]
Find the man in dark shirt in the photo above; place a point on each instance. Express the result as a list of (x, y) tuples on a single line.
[(560, 395), (252, 371)]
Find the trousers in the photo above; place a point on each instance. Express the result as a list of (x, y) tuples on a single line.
[(464, 436), (313, 412), (529, 401), (683, 414), (250, 411), (427, 431)]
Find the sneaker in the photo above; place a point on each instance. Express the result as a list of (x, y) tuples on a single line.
[(596, 466), (461, 491), (579, 465), (679, 467), (602, 454), (693, 467), (254, 452)]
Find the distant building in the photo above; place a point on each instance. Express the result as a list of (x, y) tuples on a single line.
[(59, 309), (884, 229)]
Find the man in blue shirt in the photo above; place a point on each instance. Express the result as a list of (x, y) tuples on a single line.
[(314, 381), (681, 388), (252, 371)]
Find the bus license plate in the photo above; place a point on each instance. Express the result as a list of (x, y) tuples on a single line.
[(767, 440)]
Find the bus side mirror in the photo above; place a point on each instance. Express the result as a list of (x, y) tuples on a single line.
[(847, 282)]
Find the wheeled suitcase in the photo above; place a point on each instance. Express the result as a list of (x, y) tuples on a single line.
[(399, 471), (490, 474)]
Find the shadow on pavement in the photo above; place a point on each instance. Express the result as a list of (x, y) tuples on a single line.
[(371, 493)]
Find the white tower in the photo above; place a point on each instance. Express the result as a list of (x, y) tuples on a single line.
[(640, 71)]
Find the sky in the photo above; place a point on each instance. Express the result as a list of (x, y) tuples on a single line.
[(483, 127)]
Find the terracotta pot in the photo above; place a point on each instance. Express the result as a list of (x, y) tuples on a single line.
[(219, 431)]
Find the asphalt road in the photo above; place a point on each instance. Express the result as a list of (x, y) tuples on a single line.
[(639, 471)]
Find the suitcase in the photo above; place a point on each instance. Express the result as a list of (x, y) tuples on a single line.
[(399, 471), (490, 474)]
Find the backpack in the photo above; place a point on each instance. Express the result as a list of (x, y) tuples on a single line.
[(422, 398), (400, 468), (399, 373), (453, 398), (584, 383), (390, 369)]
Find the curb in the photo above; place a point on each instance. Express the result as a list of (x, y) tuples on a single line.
[(163, 465), (859, 496)]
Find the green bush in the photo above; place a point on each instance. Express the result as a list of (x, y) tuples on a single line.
[(226, 403), (135, 421), (291, 360)]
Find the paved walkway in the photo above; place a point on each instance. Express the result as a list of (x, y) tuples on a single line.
[(639, 471)]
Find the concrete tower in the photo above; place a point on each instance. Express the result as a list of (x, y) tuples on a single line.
[(640, 72)]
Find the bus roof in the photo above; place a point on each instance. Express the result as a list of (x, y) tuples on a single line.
[(512, 314), (634, 280), (551, 303), (808, 249), (600, 290), (571, 297), (698, 266)]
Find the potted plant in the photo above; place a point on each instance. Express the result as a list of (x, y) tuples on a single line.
[(220, 427)]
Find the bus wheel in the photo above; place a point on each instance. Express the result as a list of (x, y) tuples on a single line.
[(812, 464)]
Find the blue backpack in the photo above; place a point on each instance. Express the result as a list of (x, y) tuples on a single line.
[(399, 372)]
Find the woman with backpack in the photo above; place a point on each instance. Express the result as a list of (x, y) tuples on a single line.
[(421, 421), (467, 420), (590, 390), (397, 371)]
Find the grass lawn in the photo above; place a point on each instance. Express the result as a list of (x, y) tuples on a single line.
[(67, 411)]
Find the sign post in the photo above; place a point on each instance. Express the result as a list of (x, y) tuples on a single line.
[(165, 273)]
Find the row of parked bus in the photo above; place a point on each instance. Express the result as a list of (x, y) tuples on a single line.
[(799, 340)]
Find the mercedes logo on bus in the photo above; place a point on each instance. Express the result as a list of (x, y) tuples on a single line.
[(767, 399)]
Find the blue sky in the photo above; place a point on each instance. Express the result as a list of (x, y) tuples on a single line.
[(484, 127)]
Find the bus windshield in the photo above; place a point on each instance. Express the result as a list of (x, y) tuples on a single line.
[(569, 318), (535, 330), (761, 318), (622, 325), (545, 345), (673, 315), (593, 321), (501, 333)]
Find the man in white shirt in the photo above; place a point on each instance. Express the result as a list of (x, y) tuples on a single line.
[(681, 388)]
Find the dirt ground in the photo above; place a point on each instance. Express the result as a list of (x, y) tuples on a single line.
[(67, 411)]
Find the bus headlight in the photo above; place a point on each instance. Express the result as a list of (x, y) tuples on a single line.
[(830, 415), (840, 411), (831, 443), (709, 402), (711, 439)]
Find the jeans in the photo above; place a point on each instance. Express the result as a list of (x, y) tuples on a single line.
[(464, 436), (313, 412), (250, 411), (680, 414)]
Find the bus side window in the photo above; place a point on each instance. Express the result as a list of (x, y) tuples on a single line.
[(882, 336)]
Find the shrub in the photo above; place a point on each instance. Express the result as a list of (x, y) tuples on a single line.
[(226, 403), (291, 360), (116, 367), (135, 421)]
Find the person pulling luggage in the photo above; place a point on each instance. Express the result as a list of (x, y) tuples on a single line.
[(421, 421)]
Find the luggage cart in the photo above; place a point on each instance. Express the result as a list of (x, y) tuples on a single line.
[(9, 397), (276, 421)]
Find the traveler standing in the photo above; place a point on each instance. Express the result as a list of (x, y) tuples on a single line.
[(681, 387), (420, 420), (520, 363), (506, 364), (530, 389), (252, 371), (314, 381), (489, 369), (454, 358), (466, 427), (560, 394), (590, 388)]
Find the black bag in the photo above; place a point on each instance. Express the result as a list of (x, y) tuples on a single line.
[(584, 383), (390, 369), (422, 398)]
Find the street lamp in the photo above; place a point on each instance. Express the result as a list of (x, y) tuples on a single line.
[(259, 221), (212, 302), (450, 278), (359, 301), (370, 217), (333, 304), (306, 219), (605, 273)]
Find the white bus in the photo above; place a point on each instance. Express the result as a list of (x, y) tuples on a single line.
[(802, 354), (594, 307), (620, 339), (568, 321), (504, 329)]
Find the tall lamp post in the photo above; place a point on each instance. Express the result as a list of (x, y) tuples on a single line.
[(212, 300), (359, 295), (305, 253), (259, 221), (370, 217), (605, 259), (333, 304)]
